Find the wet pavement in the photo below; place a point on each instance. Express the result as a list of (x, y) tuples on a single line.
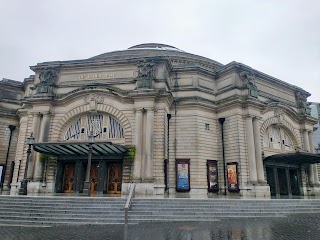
[(299, 226)]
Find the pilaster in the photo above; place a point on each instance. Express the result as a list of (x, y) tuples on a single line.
[(251, 151)]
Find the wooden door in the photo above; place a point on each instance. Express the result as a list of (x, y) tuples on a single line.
[(68, 177), (114, 178), (94, 178)]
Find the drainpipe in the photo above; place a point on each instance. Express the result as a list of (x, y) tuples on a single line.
[(168, 135), (12, 128), (221, 121), (175, 130)]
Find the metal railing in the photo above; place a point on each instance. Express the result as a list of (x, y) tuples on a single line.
[(128, 203)]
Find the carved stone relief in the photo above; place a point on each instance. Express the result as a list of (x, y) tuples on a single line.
[(248, 80), (146, 75), (301, 100), (93, 100), (48, 78), (279, 113)]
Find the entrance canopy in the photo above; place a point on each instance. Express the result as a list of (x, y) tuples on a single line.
[(79, 148), (297, 158)]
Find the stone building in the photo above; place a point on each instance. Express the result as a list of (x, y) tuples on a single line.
[(315, 112), (175, 123)]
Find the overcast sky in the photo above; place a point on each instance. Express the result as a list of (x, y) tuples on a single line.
[(278, 37)]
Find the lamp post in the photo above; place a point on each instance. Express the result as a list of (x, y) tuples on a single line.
[(24, 183), (87, 184)]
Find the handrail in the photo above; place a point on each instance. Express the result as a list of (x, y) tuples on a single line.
[(128, 203)]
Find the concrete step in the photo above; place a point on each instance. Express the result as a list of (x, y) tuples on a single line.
[(92, 210)]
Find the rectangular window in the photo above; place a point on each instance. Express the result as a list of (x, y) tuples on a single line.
[(233, 178), (182, 175), (212, 176)]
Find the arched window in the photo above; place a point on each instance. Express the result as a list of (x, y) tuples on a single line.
[(277, 138), (103, 127)]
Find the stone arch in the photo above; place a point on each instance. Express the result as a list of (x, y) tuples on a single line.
[(70, 116), (283, 123)]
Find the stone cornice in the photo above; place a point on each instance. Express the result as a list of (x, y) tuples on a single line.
[(73, 64), (237, 67), (7, 112), (195, 68), (125, 60)]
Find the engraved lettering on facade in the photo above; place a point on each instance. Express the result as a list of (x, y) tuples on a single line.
[(95, 76)]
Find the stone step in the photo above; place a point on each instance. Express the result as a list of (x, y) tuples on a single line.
[(174, 211), (185, 219), (91, 210), (73, 221)]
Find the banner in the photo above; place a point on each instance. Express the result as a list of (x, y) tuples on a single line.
[(212, 174), (233, 182), (182, 175)]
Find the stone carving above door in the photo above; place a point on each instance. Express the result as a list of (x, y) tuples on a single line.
[(93, 100)]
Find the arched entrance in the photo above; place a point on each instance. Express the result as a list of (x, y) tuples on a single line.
[(287, 173)]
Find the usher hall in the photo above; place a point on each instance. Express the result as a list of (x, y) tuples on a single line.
[(173, 123)]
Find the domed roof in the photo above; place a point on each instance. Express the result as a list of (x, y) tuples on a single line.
[(153, 50), (157, 46)]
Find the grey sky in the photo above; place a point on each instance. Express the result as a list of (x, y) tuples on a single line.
[(279, 38)]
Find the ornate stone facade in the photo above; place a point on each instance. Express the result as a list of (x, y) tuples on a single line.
[(163, 105)]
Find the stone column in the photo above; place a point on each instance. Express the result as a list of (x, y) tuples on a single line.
[(314, 166), (35, 131), (251, 152), (307, 148), (138, 143), (43, 137), (20, 151), (149, 145), (258, 151)]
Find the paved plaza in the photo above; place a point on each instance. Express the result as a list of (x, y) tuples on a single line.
[(300, 226)]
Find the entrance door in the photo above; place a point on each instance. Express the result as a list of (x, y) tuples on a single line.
[(114, 178), (271, 180), (68, 177), (294, 182), (283, 181), (94, 178)]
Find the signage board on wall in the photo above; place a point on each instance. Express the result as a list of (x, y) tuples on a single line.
[(233, 178), (212, 174), (182, 175)]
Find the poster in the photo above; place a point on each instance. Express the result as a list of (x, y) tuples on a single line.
[(183, 178), (212, 173), (232, 170), (1, 171)]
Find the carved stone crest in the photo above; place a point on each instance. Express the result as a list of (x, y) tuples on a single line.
[(145, 75), (279, 113), (93, 100), (248, 80), (47, 80), (301, 100)]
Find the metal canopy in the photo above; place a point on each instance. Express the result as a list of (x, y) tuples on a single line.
[(79, 148), (297, 158)]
